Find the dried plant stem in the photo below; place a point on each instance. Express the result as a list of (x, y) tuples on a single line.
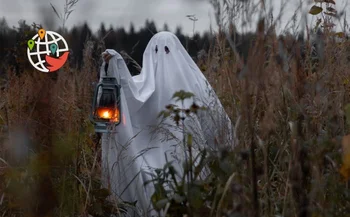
[(255, 198)]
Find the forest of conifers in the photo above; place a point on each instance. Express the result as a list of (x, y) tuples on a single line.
[(13, 42)]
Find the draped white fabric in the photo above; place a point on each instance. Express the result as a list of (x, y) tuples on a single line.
[(135, 147)]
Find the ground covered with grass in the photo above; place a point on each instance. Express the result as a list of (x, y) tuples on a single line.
[(289, 104)]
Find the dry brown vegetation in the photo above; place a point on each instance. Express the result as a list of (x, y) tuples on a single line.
[(291, 116)]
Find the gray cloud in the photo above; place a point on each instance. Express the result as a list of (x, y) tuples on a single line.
[(45, 14), (120, 13), (111, 12)]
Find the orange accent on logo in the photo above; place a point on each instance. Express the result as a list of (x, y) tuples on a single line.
[(56, 63)]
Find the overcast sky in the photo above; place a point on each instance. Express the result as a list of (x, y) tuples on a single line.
[(123, 12)]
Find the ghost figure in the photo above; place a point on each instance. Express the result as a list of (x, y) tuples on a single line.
[(144, 141)]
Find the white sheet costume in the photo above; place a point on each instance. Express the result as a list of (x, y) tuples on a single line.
[(134, 149)]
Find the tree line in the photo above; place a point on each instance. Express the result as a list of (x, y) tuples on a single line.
[(13, 42)]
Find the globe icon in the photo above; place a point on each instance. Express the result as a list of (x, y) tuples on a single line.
[(47, 51)]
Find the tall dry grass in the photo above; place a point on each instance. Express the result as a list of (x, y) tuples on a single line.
[(293, 115), (49, 153), (290, 118)]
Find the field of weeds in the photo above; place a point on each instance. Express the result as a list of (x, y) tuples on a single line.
[(290, 105)]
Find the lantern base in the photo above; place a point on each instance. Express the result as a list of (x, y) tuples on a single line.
[(103, 128)]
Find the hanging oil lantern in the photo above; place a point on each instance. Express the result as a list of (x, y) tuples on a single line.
[(106, 109)]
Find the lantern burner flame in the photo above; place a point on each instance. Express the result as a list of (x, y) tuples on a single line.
[(108, 114), (106, 108)]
